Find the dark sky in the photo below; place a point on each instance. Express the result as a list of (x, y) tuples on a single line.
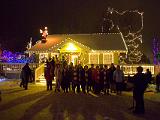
[(22, 19)]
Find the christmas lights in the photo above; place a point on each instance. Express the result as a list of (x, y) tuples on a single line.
[(156, 50), (9, 57), (44, 33), (132, 38)]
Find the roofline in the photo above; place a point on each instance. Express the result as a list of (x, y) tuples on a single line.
[(84, 34)]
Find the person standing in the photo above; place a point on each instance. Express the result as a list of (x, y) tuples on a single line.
[(52, 64), (139, 88), (58, 76), (112, 82), (91, 78), (75, 80), (118, 77), (148, 75), (48, 76), (26, 75), (65, 79), (106, 80), (81, 78), (97, 80), (158, 82), (101, 78)]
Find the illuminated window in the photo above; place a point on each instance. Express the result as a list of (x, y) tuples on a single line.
[(93, 58), (107, 58), (43, 57)]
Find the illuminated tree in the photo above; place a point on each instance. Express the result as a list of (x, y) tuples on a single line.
[(156, 50), (130, 25)]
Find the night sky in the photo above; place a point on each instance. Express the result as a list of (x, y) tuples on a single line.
[(22, 19)]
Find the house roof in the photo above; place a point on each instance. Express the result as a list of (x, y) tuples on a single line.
[(107, 41)]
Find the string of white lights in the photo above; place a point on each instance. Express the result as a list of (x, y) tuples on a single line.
[(132, 39)]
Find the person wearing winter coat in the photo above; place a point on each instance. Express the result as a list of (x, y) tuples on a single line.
[(26, 75), (87, 84), (112, 82), (97, 81), (48, 75), (65, 79), (75, 80), (148, 75), (118, 77), (58, 75), (140, 85), (106, 80), (81, 77), (158, 82)]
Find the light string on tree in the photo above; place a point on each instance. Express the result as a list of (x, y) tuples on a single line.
[(132, 39), (156, 50)]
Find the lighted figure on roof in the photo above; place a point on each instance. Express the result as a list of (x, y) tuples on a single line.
[(44, 33)]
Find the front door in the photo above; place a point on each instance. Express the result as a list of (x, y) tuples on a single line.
[(74, 59)]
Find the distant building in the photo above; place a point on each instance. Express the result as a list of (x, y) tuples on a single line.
[(100, 48)]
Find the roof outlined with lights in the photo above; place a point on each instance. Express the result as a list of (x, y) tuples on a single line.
[(96, 41)]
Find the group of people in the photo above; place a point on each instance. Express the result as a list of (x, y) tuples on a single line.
[(77, 78), (96, 79)]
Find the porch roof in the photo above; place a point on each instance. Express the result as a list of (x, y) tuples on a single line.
[(99, 41)]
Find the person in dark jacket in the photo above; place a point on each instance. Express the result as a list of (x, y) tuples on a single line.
[(106, 80), (70, 74), (26, 75), (112, 82), (158, 82), (48, 76), (148, 75), (65, 79), (140, 84), (75, 80), (101, 78), (97, 80), (52, 69), (81, 77), (86, 76)]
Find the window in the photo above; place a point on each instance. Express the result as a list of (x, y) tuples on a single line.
[(93, 58), (107, 58), (43, 57)]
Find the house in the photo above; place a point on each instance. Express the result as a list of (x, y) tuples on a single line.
[(97, 48)]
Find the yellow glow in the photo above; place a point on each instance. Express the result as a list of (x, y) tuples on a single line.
[(71, 47)]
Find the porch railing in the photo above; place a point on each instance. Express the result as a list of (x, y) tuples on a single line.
[(15, 67), (39, 71)]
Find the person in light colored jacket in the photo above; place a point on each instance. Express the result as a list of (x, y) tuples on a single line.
[(118, 77), (58, 75)]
